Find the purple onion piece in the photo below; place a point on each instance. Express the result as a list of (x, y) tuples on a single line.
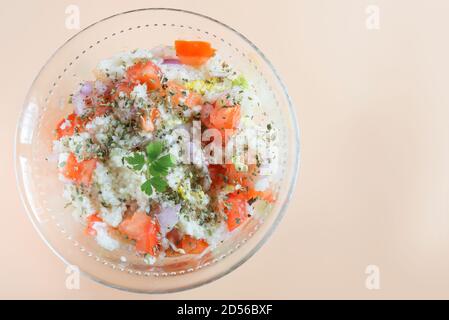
[(86, 89), (171, 61), (168, 218), (79, 103)]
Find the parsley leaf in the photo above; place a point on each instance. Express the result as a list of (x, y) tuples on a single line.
[(165, 161), (160, 166), (159, 184), (154, 149), (136, 161), (157, 167), (147, 188), (157, 170)]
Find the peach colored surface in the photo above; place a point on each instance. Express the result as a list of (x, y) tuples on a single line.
[(374, 116)]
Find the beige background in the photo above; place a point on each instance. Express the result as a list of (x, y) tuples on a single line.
[(374, 116)]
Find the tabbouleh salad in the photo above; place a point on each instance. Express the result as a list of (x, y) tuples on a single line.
[(122, 159)]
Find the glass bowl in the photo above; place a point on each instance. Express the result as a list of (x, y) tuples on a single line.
[(46, 103)]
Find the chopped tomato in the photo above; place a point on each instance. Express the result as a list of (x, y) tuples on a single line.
[(225, 117), (144, 230), (169, 252), (174, 237), (193, 246), (79, 172), (228, 174), (243, 178), (123, 88), (90, 224), (246, 179), (193, 99), (193, 53), (266, 195), (217, 174), (145, 73), (68, 126), (148, 243), (180, 95), (189, 244), (235, 210), (174, 91)]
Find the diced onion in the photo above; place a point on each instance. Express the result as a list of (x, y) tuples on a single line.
[(86, 89), (79, 103), (171, 61), (168, 218)]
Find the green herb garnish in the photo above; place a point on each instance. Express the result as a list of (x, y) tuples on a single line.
[(156, 167), (147, 188), (136, 161)]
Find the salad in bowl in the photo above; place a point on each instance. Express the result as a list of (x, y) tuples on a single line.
[(161, 155), (157, 150)]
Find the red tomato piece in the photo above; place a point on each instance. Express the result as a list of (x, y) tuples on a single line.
[(235, 210), (179, 94), (193, 53), (217, 174), (174, 237), (193, 246), (90, 224), (68, 126), (144, 73), (225, 117), (144, 230), (266, 195), (243, 178), (123, 88), (79, 172), (193, 99)]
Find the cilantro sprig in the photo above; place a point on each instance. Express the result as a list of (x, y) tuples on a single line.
[(156, 167)]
